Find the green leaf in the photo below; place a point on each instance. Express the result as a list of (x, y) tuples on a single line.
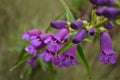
[(26, 72), (78, 3), (26, 56), (69, 14), (93, 17), (22, 53), (51, 71), (67, 45), (43, 64), (83, 60)]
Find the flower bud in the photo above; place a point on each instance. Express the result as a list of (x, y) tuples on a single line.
[(109, 25), (60, 35), (99, 11), (99, 2), (59, 24), (77, 24), (79, 36), (92, 31), (111, 12)]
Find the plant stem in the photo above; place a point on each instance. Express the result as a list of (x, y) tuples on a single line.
[(101, 23)]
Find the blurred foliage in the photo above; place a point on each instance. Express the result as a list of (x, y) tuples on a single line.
[(17, 16)]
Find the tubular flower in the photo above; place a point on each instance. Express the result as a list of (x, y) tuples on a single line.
[(77, 24), (47, 55), (39, 40), (66, 58), (31, 50), (107, 53), (59, 24), (31, 33), (79, 36), (55, 42)]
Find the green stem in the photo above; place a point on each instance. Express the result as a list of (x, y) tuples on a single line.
[(101, 22), (48, 28), (64, 5)]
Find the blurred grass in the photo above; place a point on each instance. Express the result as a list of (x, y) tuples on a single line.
[(16, 16)]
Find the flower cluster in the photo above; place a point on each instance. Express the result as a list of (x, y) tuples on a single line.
[(47, 46), (106, 8), (51, 43)]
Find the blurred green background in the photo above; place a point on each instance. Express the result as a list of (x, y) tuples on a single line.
[(17, 16)]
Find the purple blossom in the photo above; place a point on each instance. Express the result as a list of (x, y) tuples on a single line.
[(99, 2), (31, 50), (47, 55), (111, 12), (77, 38), (55, 42), (92, 31), (107, 53), (103, 2), (39, 40), (31, 61), (109, 25), (31, 33), (99, 11), (59, 24), (66, 58), (77, 24)]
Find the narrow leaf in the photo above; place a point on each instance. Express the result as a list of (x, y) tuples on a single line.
[(22, 53), (51, 71), (69, 14), (83, 59), (20, 62), (42, 64), (93, 17), (67, 45)]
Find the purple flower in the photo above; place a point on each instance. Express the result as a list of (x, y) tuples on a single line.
[(55, 42), (66, 58), (99, 2), (102, 2), (111, 12), (31, 61), (31, 50), (99, 11), (47, 55), (107, 54), (92, 31), (109, 25), (59, 24), (77, 24), (31, 33), (79, 36), (39, 40)]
